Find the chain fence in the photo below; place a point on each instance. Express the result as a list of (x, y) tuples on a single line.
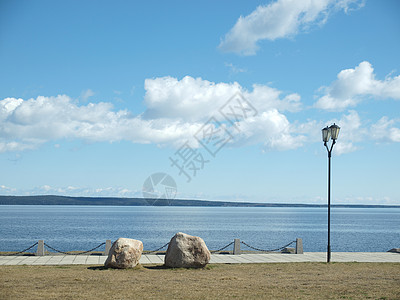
[(223, 248), (20, 252), (146, 252), (74, 253), (267, 250)]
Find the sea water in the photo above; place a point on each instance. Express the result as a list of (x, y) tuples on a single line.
[(84, 227)]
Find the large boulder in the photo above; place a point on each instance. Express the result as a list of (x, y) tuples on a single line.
[(124, 254), (187, 251)]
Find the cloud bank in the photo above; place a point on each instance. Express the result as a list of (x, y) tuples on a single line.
[(176, 110), (354, 85), (354, 131), (280, 19)]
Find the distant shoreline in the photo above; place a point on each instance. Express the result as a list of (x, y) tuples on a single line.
[(115, 201)]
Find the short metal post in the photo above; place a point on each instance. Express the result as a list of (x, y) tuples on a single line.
[(299, 246), (40, 248), (108, 247), (236, 247)]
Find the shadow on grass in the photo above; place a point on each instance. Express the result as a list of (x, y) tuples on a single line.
[(97, 268), (103, 268), (149, 267), (157, 267), (163, 267), (138, 267)]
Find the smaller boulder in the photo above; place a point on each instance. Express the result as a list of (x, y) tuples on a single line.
[(395, 250), (124, 253), (187, 251), (288, 250)]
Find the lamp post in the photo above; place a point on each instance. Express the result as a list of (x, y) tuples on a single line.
[(331, 132)]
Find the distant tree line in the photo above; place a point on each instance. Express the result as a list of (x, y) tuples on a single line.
[(115, 201)]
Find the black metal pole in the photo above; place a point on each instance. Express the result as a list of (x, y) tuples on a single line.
[(329, 208)]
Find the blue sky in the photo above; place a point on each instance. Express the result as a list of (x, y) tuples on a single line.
[(96, 96)]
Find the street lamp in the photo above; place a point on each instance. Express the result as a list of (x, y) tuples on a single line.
[(331, 132)]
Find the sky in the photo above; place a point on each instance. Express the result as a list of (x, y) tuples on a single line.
[(226, 99)]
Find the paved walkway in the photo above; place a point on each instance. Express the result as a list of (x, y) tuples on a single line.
[(215, 258)]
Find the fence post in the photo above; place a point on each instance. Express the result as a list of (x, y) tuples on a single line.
[(236, 247), (299, 246), (108, 247), (40, 248)]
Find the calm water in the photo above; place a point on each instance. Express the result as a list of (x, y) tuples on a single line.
[(83, 227)]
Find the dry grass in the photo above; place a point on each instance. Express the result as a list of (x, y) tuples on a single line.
[(273, 281)]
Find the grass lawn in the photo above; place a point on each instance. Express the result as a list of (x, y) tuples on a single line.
[(219, 281)]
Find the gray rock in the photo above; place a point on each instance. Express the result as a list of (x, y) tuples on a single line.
[(288, 250), (124, 254), (395, 250), (187, 251)]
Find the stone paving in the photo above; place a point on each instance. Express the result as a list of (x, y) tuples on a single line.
[(215, 258)]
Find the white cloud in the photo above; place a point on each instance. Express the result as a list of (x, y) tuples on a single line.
[(353, 131), (280, 19), (11, 146), (5, 190), (353, 199), (189, 98), (354, 85), (176, 109), (265, 98), (27, 124), (234, 69), (75, 191), (85, 95), (350, 133), (197, 99), (385, 131), (272, 129)]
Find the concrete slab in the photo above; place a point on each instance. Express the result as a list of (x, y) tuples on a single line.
[(28, 261), (144, 260), (42, 260), (240, 259), (93, 260), (80, 260), (257, 258), (216, 259), (162, 257), (155, 259), (68, 258), (230, 259), (314, 256), (102, 260), (373, 257), (14, 261)]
